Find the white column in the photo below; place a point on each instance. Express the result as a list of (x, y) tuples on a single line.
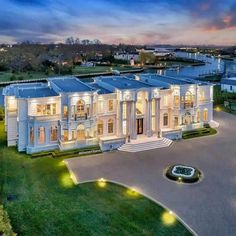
[(133, 121), (157, 115), (149, 118), (91, 106), (120, 120), (129, 118)]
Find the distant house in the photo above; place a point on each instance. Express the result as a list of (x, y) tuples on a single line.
[(229, 85), (127, 56)]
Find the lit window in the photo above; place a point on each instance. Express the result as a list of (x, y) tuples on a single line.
[(205, 115), (54, 133), (139, 107), (41, 135), (110, 126), (73, 137), (46, 109), (100, 127), (65, 135), (31, 135), (176, 121), (124, 128), (80, 108), (80, 132), (176, 101), (165, 119), (110, 105), (65, 111)]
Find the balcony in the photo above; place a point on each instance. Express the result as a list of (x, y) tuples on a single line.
[(44, 117), (188, 104)]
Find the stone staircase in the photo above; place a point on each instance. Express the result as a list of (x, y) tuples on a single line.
[(145, 144)]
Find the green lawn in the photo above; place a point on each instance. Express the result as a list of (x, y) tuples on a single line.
[(78, 70), (48, 203)]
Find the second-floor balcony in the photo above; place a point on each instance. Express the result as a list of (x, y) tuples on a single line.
[(188, 104), (44, 117)]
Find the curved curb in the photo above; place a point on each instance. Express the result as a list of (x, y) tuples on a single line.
[(145, 195)]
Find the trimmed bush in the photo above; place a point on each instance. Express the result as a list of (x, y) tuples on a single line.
[(199, 132), (68, 153), (5, 225)]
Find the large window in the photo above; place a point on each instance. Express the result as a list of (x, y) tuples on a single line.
[(80, 132), (188, 100), (80, 108), (110, 126), (65, 112), (165, 119), (65, 135), (31, 135), (46, 109), (124, 110), (139, 107), (100, 127), (176, 101), (165, 100), (110, 105), (53, 133), (41, 135), (153, 124), (205, 114)]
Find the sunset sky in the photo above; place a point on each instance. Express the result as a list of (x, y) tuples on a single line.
[(120, 21)]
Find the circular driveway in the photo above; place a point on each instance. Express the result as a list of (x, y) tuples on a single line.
[(208, 207)]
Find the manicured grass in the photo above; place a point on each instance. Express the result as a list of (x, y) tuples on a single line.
[(48, 203), (198, 133), (78, 70)]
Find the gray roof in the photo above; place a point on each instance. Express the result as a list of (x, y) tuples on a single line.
[(69, 85), (101, 90), (122, 82), (36, 92), (11, 90), (167, 80)]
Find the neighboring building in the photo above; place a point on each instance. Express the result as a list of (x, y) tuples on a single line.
[(127, 56), (66, 113), (229, 85)]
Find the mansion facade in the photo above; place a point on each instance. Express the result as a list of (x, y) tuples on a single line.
[(66, 113)]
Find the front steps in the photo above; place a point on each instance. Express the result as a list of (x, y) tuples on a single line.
[(145, 144)]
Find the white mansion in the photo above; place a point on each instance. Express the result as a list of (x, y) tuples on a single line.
[(67, 113)]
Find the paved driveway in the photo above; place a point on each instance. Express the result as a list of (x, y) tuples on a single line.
[(208, 207)]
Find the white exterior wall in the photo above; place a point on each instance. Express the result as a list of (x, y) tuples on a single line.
[(228, 88)]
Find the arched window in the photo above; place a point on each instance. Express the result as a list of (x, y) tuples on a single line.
[(205, 115), (80, 108), (80, 132), (110, 126), (100, 127), (188, 96), (187, 118), (188, 100), (165, 119)]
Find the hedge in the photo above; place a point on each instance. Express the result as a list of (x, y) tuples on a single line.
[(5, 225), (198, 133), (68, 153)]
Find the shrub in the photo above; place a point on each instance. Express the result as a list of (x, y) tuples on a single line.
[(5, 226)]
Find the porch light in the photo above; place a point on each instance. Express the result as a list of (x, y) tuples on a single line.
[(102, 183)]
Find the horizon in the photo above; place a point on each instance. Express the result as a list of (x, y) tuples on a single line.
[(188, 23)]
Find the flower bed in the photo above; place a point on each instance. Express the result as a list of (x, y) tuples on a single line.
[(182, 173)]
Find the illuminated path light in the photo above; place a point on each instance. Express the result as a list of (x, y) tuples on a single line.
[(132, 192), (101, 183), (168, 218)]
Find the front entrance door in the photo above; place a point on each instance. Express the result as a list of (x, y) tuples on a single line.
[(139, 126)]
